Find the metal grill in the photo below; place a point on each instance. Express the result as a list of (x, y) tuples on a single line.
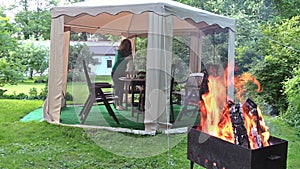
[(214, 153)]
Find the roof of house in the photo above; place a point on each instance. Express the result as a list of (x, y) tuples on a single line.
[(103, 50)]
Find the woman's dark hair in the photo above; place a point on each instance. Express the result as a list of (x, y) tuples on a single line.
[(125, 48)]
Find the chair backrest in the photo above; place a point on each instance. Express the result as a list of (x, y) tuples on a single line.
[(193, 86), (87, 77), (195, 80)]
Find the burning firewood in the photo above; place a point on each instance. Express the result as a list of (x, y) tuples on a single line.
[(239, 130), (250, 108), (241, 124)]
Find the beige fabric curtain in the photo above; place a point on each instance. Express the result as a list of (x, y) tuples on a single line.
[(195, 52), (159, 57), (57, 78), (65, 64)]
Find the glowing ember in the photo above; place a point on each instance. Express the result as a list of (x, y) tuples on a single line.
[(215, 112)]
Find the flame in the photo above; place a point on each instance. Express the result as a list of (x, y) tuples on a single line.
[(241, 81), (215, 112), (212, 102), (225, 130), (250, 124)]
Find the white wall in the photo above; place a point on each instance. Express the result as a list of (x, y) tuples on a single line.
[(101, 68)]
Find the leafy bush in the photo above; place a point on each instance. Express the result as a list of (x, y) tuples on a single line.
[(69, 97), (292, 90), (44, 93), (33, 93), (2, 92), (41, 79), (280, 46), (21, 96)]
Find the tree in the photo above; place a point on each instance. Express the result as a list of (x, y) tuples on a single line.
[(288, 8), (10, 68), (280, 46), (34, 57), (250, 15), (77, 53), (36, 22)]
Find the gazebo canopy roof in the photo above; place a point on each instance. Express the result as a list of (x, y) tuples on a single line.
[(130, 17)]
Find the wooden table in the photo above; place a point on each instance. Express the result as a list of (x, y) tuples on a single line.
[(134, 86)]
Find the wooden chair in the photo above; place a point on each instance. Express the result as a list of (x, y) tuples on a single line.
[(97, 95), (175, 95), (190, 96)]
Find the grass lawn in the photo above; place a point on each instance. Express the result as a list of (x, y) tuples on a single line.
[(25, 86), (43, 145)]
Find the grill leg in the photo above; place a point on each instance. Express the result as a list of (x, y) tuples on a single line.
[(192, 164)]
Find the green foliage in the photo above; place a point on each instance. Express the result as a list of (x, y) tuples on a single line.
[(248, 14), (7, 43), (10, 69), (44, 93), (292, 91), (33, 23), (34, 57), (2, 91), (10, 72), (246, 58), (77, 54), (280, 46), (140, 55), (288, 8), (33, 93)]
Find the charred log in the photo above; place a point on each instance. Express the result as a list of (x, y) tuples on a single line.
[(238, 126), (250, 108)]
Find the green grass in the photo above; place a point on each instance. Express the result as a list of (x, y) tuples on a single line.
[(74, 88), (23, 88), (281, 130), (44, 145)]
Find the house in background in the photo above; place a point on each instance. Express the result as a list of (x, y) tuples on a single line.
[(104, 54)]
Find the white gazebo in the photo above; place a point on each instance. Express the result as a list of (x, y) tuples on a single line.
[(158, 20)]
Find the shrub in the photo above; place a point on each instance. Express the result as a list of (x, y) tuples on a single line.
[(44, 93), (21, 96), (42, 79), (292, 90), (69, 97), (33, 93), (2, 92)]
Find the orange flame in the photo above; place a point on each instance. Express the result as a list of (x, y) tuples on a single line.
[(241, 81), (252, 126), (215, 113)]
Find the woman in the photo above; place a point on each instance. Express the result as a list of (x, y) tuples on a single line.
[(123, 55)]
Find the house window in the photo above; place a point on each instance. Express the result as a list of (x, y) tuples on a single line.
[(109, 63)]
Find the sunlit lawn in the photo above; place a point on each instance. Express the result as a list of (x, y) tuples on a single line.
[(76, 88), (43, 145), (23, 88)]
